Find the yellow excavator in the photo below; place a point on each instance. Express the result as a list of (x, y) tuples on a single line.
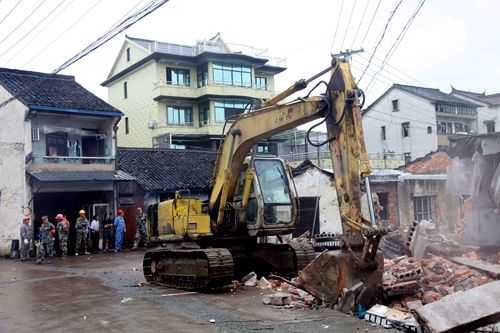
[(207, 244)]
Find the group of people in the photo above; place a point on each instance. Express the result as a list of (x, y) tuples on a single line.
[(113, 229)]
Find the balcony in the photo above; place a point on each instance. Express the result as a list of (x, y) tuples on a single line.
[(72, 163), (164, 90)]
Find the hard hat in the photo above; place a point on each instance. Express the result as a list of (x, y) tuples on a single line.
[(59, 217), (120, 212), (26, 217), (81, 211)]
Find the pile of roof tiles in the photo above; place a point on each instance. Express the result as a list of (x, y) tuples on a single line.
[(409, 281)]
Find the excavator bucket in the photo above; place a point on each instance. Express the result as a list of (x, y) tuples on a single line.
[(334, 272)]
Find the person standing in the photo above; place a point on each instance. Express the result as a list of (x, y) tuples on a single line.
[(25, 238), (94, 234), (82, 227), (140, 233), (47, 231), (108, 233), (63, 233), (120, 230)]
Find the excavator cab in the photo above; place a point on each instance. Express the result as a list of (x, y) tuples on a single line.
[(272, 200)]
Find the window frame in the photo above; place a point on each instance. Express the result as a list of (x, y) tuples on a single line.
[(424, 208), (395, 105), (227, 73), (383, 133), (405, 129), (175, 71), (429, 129), (61, 147), (489, 123), (186, 110), (259, 78), (227, 105)]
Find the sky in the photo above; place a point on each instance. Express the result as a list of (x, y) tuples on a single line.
[(450, 42)]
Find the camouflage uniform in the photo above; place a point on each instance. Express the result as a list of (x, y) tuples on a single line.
[(82, 229), (140, 233), (63, 232), (25, 238), (45, 241)]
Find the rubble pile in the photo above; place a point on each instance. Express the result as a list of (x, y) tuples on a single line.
[(409, 281)]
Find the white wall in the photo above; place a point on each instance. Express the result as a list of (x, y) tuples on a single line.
[(12, 169), (419, 112), (314, 183)]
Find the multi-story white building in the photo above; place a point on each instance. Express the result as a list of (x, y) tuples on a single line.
[(488, 114), (410, 121)]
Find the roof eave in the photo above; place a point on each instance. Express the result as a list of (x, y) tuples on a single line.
[(89, 112)]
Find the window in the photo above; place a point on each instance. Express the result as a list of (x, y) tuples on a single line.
[(127, 129), (57, 144), (424, 208), (125, 90), (382, 133), (227, 109), (177, 115), (490, 126), (405, 129), (35, 134), (395, 105), (178, 77), (128, 53), (232, 75), (204, 112), (383, 199), (261, 82), (263, 149), (273, 181), (429, 129), (202, 75), (407, 157)]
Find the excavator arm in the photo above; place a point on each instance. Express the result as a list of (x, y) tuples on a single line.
[(339, 107)]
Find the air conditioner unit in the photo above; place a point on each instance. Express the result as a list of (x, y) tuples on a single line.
[(35, 134), (152, 124)]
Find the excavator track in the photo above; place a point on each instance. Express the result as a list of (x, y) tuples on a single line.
[(190, 269), (304, 253)]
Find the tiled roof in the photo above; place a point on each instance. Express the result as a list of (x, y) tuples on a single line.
[(168, 170), (491, 99), (52, 91), (433, 94), (75, 176), (432, 163)]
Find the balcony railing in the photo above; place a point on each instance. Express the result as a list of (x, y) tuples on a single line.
[(74, 159)]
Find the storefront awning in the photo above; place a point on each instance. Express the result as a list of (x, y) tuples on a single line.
[(81, 176)]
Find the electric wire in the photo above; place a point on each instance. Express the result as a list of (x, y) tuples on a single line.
[(371, 22), (11, 10), (348, 24), (23, 21), (338, 24), (360, 24), (381, 38), (63, 32), (121, 26), (35, 26), (398, 41)]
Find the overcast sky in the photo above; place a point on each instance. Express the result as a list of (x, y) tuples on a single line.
[(450, 42)]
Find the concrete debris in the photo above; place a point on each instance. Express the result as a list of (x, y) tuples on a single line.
[(279, 299), (250, 280), (491, 269), (427, 280), (463, 311), (348, 298), (264, 283), (126, 300), (392, 318)]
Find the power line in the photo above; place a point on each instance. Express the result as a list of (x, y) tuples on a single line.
[(371, 22), (348, 24), (120, 27), (338, 23), (22, 21), (360, 24), (398, 40), (35, 26), (63, 32), (381, 37), (10, 11)]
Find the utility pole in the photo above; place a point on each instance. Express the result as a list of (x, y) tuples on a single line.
[(347, 54)]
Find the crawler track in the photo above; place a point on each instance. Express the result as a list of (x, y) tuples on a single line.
[(190, 269)]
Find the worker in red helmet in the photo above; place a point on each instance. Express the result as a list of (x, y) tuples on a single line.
[(120, 230), (63, 233)]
